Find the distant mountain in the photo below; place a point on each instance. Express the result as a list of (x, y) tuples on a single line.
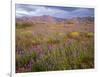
[(43, 18), (40, 19), (79, 20), (89, 19), (50, 19)]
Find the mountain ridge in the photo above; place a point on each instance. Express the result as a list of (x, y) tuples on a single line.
[(51, 19)]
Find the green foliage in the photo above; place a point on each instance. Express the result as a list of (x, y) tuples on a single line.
[(23, 41), (74, 34), (70, 22), (38, 67), (22, 60), (52, 40), (90, 34), (23, 25), (34, 55), (36, 40)]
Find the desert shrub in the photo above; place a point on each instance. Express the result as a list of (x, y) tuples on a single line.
[(80, 56), (74, 34), (58, 33), (70, 22), (89, 34), (23, 25), (34, 55), (23, 41), (22, 60), (85, 61), (52, 40), (36, 40), (38, 67)]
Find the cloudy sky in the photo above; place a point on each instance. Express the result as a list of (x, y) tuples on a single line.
[(60, 12)]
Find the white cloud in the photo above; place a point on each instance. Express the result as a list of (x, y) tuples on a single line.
[(29, 10), (38, 11)]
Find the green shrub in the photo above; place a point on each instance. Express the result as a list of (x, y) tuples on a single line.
[(22, 60), (90, 34), (23, 25), (74, 34), (52, 40), (34, 55), (23, 41), (70, 22), (38, 67)]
